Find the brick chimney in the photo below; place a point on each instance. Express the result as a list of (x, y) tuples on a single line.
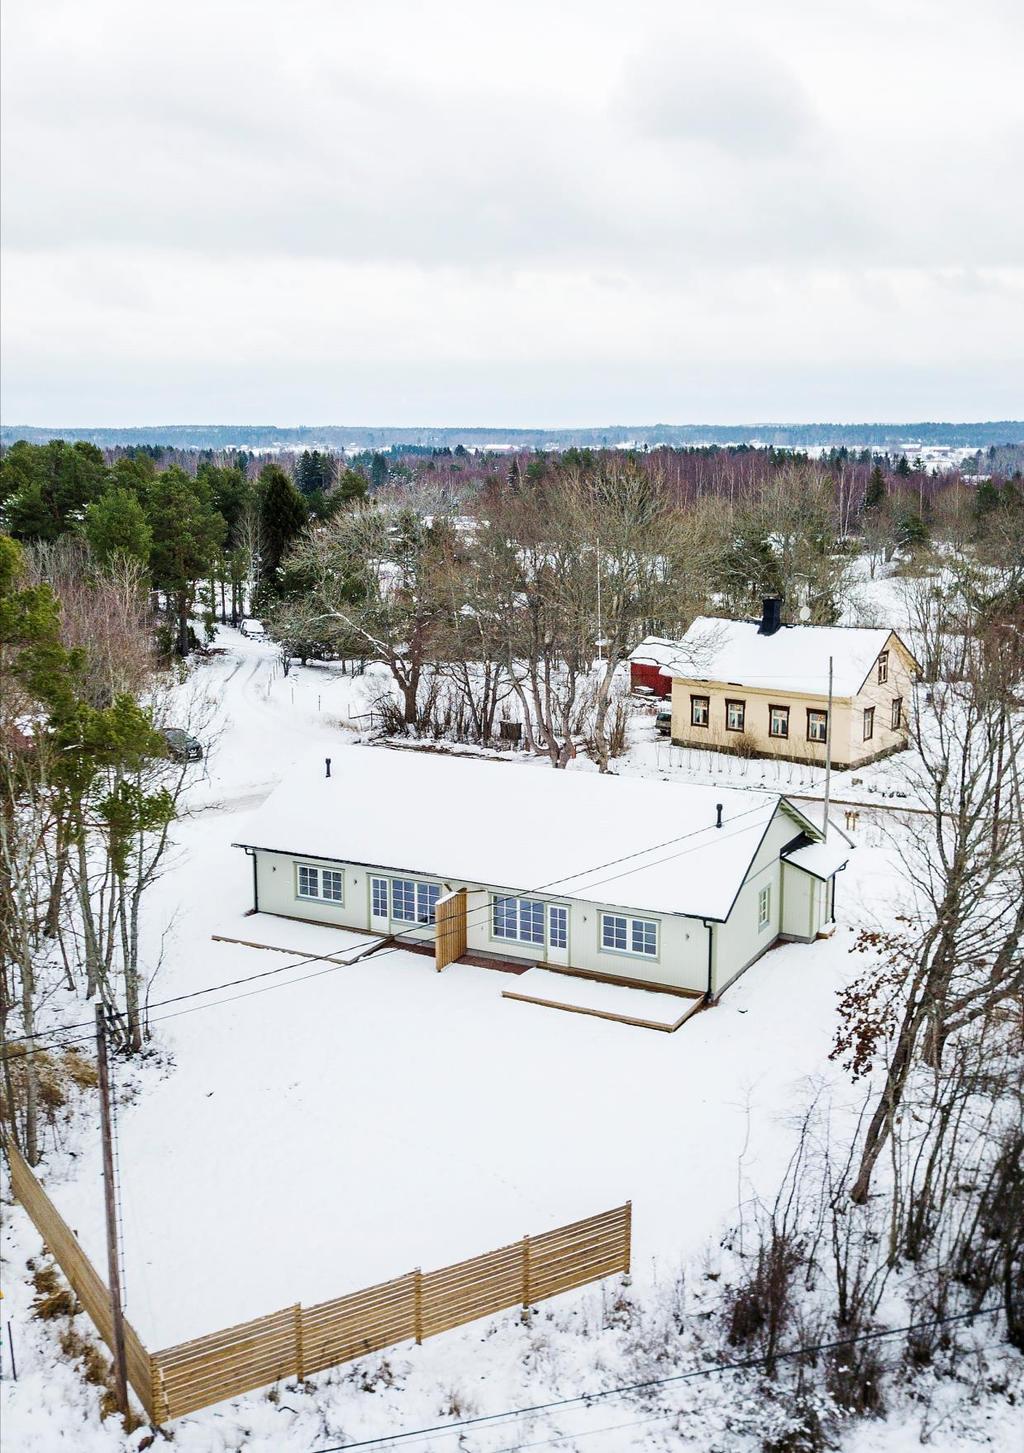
[(771, 615)]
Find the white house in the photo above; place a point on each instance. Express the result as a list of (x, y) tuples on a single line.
[(639, 882)]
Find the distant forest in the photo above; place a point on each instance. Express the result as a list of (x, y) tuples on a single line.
[(339, 436)]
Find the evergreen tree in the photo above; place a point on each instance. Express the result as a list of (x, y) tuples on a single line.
[(876, 493), (378, 471), (283, 514), (187, 532), (314, 473), (116, 524), (46, 487), (903, 466), (230, 492), (911, 531), (133, 472), (352, 486)]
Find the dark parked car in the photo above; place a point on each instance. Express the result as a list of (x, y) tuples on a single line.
[(180, 746), (663, 722)]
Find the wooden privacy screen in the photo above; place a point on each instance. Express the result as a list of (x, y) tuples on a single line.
[(89, 1287), (298, 1341), (450, 918)]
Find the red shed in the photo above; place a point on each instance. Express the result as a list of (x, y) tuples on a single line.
[(645, 665)]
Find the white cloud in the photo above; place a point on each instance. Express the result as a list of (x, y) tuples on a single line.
[(444, 212)]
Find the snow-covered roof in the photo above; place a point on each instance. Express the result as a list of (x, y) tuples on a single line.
[(821, 860), (572, 834), (793, 657), (655, 651)]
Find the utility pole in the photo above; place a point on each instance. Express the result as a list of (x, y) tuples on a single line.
[(828, 751), (113, 1261)]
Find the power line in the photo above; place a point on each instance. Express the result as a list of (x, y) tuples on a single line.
[(393, 942), (741, 1365)]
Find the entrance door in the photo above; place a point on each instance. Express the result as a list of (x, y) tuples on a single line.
[(558, 934), (379, 919)]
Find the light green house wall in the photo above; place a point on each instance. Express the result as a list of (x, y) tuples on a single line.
[(795, 910)]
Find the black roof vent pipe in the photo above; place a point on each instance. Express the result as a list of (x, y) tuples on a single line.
[(327, 764), (771, 615), (718, 809)]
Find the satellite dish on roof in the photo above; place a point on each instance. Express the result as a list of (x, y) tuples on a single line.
[(805, 612)]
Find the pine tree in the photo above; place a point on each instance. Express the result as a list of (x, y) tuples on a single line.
[(46, 487), (187, 532), (352, 486), (116, 524)]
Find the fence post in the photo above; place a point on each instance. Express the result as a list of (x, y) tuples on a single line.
[(417, 1305), (298, 1341), (526, 1278)]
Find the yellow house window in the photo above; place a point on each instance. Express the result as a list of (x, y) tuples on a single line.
[(883, 668), (778, 721), (735, 715), (817, 725), (897, 713), (869, 723), (700, 710)]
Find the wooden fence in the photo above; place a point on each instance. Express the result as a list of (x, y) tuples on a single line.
[(89, 1287), (298, 1341), (450, 937)]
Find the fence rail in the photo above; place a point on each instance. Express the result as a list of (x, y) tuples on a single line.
[(298, 1341)]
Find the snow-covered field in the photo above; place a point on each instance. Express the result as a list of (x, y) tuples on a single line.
[(333, 1125)]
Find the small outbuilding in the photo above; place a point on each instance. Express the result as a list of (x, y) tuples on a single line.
[(653, 884), (761, 689), (645, 663)]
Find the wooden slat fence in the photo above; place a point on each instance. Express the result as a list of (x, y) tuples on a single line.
[(298, 1341), (89, 1287), (450, 920)]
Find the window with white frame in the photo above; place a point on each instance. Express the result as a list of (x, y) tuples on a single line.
[(869, 723), (778, 721), (403, 900), (327, 885), (897, 713), (413, 901), (883, 668), (621, 934), (558, 926), (379, 897), (764, 906), (735, 715), (817, 725), (700, 710), (520, 919), (427, 895)]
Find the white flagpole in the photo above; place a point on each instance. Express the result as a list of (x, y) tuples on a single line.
[(828, 750)]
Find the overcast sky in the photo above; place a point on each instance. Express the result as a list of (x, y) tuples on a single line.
[(546, 214)]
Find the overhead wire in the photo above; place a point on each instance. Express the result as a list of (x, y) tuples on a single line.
[(392, 944), (601, 1394)]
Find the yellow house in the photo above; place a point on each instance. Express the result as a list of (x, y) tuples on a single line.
[(760, 689)]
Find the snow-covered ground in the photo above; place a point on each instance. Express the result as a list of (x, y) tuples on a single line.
[(333, 1125)]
